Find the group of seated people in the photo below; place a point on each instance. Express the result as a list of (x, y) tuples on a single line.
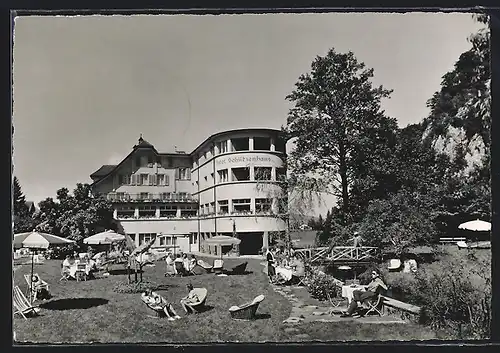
[(182, 265), (158, 303), (293, 267), (71, 261)]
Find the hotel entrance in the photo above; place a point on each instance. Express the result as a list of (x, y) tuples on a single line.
[(251, 243)]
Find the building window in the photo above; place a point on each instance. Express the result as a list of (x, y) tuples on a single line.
[(280, 175), (223, 207), (165, 196), (239, 174), (147, 211), (163, 241), (222, 146), (240, 144), (183, 196), (143, 179), (145, 237), (212, 207), (263, 205), (183, 174), (193, 238), (189, 211), (152, 179), (162, 180), (241, 206), (168, 211), (144, 196), (263, 173), (120, 196), (132, 236), (280, 145), (125, 212), (212, 151), (262, 143), (223, 176)]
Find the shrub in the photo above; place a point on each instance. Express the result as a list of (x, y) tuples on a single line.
[(322, 285), (454, 294)]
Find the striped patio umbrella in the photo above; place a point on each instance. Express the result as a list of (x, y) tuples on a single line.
[(36, 240), (222, 240), (107, 237)]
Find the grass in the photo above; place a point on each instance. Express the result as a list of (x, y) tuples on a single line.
[(86, 312)]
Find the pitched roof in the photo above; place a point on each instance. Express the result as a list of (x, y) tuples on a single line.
[(103, 171), (143, 143)]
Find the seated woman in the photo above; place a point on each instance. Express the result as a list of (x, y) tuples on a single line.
[(40, 287), (158, 303), (191, 298), (170, 265), (192, 262)]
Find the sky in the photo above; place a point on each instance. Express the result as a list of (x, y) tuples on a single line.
[(86, 87)]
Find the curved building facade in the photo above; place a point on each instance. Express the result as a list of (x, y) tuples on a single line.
[(229, 184), (236, 176)]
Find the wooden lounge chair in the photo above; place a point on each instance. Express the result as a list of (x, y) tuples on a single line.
[(239, 269), (64, 274), (81, 272), (202, 296), (22, 305), (207, 267), (159, 312), (246, 311), (218, 266)]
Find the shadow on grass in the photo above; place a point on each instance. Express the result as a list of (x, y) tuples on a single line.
[(240, 273), (73, 303), (262, 316), (204, 309), (123, 271)]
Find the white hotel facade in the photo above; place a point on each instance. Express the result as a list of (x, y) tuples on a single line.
[(228, 183)]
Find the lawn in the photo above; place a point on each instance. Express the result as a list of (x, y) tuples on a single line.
[(101, 315)]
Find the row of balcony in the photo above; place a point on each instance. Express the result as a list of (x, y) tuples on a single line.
[(193, 216), (146, 196)]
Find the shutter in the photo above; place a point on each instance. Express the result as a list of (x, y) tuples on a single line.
[(155, 179), (166, 180), (188, 174), (133, 179), (177, 174), (150, 179)]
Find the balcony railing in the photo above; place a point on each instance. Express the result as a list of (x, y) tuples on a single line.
[(145, 197)]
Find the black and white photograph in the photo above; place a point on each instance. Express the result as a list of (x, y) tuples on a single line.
[(270, 177)]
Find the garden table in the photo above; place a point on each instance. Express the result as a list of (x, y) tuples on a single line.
[(347, 291)]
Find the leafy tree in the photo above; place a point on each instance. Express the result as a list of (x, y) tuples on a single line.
[(75, 216), (338, 128)]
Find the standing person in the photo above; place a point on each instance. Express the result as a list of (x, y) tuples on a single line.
[(357, 239), (170, 264), (271, 271), (369, 291), (185, 261)]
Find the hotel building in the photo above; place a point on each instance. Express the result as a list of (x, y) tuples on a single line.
[(228, 184)]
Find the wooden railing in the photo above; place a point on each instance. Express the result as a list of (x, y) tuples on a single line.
[(338, 253), (351, 253)]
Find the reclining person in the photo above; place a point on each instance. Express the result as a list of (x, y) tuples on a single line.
[(158, 303), (191, 298), (368, 292), (40, 287)]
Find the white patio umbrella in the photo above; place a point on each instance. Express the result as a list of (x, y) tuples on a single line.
[(222, 240), (36, 240), (476, 226), (107, 237)]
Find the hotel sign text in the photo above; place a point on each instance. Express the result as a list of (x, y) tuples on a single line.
[(243, 159)]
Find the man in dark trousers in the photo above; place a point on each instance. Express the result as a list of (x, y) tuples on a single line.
[(369, 292), (271, 272)]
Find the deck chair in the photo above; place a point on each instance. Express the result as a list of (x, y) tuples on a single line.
[(239, 269), (246, 311), (159, 312), (207, 267), (81, 272), (218, 266), (170, 271), (202, 296), (375, 304), (22, 305)]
